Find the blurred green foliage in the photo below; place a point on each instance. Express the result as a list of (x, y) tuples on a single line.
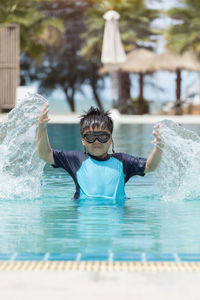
[(135, 25), (61, 40), (184, 34), (36, 29)]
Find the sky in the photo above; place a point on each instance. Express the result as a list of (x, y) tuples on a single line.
[(162, 4)]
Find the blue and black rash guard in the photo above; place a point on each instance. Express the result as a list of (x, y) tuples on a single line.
[(97, 178)]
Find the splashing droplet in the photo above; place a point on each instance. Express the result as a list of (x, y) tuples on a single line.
[(177, 175), (20, 166)]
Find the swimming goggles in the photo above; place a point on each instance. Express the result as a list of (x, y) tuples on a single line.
[(101, 136)]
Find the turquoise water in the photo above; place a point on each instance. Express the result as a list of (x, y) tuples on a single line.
[(53, 223)]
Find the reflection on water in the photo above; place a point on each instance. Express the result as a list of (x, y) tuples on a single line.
[(54, 223)]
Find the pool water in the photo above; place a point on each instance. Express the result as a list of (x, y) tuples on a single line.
[(53, 223)]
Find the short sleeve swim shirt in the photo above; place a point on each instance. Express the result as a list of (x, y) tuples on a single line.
[(99, 178)]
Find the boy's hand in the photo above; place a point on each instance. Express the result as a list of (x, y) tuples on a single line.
[(158, 140), (44, 119), (155, 156)]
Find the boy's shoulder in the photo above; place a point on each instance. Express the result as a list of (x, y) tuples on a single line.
[(70, 154), (74, 153), (121, 156), (126, 158)]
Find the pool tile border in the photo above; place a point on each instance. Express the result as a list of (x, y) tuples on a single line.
[(107, 257)]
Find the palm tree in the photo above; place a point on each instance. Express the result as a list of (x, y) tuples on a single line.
[(37, 29), (184, 34), (135, 31), (62, 64)]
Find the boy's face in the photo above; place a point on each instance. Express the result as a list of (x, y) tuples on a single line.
[(97, 148)]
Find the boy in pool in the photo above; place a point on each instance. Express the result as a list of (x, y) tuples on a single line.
[(97, 174)]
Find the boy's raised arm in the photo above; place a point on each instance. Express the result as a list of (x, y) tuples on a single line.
[(43, 146), (153, 160), (155, 156)]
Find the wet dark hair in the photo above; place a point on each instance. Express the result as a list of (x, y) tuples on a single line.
[(97, 118)]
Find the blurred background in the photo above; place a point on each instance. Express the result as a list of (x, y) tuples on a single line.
[(56, 48)]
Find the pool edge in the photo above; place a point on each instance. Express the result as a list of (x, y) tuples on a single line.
[(100, 266)]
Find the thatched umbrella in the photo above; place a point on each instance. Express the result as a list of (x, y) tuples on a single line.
[(139, 61), (174, 62)]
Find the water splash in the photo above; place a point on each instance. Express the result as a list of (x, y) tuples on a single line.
[(177, 175), (20, 166)]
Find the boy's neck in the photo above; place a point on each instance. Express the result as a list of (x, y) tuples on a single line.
[(104, 155), (101, 156)]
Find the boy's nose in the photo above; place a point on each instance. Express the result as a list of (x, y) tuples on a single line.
[(96, 141)]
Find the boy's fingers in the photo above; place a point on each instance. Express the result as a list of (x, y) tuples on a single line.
[(45, 109), (45, 106), (44, 114), (157, 139), (155, 133), (158, 143)]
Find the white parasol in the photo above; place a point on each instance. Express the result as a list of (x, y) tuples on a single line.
[(112, 50)]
